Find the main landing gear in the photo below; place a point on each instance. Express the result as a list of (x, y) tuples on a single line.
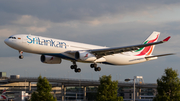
[(74, 66), (77, 70), (95, 67), (21, 55)]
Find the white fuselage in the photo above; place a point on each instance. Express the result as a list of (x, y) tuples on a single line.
[(44, 45)]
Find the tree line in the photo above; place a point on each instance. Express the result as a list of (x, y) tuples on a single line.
[(168, 88)]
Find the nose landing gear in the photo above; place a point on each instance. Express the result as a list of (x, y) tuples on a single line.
[(21, 55)]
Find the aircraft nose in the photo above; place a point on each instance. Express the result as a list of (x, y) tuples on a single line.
[(6, 41)]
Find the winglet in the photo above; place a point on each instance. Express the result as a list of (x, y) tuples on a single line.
[(165, 40)]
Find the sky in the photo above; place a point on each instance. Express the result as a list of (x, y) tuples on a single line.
[(112, 23)]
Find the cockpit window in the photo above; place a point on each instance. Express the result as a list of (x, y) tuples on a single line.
[(12, 37)]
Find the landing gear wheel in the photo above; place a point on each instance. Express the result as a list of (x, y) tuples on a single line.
[(73, 67), (77, 70), (93, 65), (21, 56), (97, 69)]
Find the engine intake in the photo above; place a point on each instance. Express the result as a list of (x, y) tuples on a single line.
[(50, 59)]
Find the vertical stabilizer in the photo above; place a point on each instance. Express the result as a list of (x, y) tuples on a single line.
[(149, 49), (3, 94)]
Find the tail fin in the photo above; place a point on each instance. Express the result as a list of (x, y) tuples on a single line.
[(148, 50), (3, 94), (4, 91)]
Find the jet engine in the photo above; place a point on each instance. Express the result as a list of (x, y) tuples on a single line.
[(50, 59), (85, 56)]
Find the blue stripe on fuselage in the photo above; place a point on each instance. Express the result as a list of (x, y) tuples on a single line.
[(108, 63)]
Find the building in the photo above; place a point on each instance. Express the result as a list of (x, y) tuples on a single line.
[(73, 89)]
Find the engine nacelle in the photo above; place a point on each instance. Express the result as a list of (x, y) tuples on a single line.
[(85, 56), (50, 59)]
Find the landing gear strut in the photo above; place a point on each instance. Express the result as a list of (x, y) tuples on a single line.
[(95, 67), (21, 55), (74, 66)]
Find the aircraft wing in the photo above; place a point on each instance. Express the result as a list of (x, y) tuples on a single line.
[(110, 51)]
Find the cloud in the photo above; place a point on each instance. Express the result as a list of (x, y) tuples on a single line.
[(25, 24), (103, 22), (7, 32), (32, 24), (79, 10)]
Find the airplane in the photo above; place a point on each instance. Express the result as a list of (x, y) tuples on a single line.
[(52, 51), (3, 95)]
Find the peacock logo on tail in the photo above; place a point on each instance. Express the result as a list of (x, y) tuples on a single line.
[(147, 50)]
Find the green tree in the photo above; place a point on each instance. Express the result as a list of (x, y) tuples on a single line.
[(168, 86), (43, 91), (107, 90)]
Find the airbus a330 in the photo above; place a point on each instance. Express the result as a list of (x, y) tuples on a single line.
[(52, 51)]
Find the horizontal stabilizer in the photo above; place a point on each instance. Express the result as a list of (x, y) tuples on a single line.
[(159, 55)]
